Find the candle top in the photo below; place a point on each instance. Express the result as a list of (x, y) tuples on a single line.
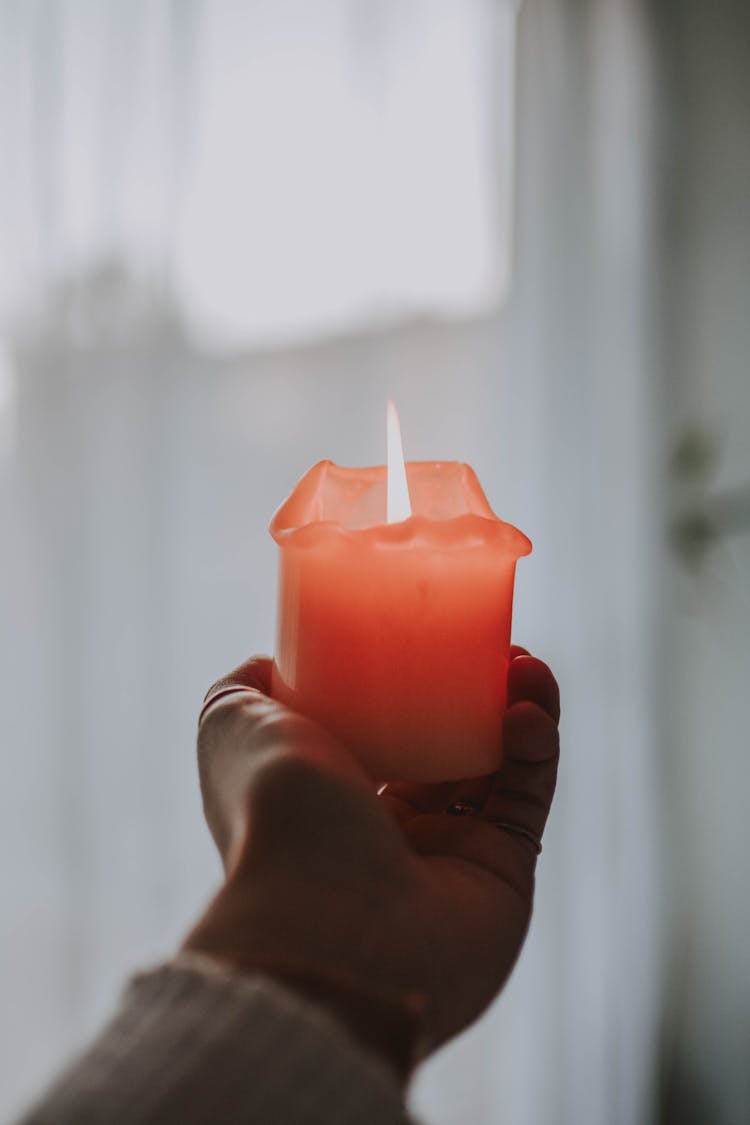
[(449, 509)]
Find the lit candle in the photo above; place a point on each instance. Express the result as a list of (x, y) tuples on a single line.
[(394, 613)]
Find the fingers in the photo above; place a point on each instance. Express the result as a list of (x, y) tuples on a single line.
[(470, 795), (254, 674), (241, 727), (478, 844), (506, 832), (473, 793), (504, 838), (530, 736), (407, 800), (531, 679), (523, 788)]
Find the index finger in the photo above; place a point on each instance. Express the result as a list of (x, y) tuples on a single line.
[(253, 675)]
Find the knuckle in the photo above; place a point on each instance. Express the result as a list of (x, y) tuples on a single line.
[(533, 679), (291, 779), (532, 714), (218, 719), (541, 668), (298, 811), (547, 677), (254, 673), (530, 734)]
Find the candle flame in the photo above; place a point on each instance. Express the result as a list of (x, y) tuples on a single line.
[(398, 504)]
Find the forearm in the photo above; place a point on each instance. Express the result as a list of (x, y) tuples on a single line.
[(198, 1045)]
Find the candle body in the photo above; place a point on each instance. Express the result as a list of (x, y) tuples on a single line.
[(396, 637)]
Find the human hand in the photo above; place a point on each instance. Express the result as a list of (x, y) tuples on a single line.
[(394, 891)]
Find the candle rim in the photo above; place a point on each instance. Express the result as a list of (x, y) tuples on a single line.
[(477, 527)]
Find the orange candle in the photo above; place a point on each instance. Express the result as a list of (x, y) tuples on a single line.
[(395, 635)]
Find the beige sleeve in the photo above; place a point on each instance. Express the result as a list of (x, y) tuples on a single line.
[(192, 1045)]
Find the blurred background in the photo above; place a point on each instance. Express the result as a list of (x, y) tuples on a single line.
[(228, 232)]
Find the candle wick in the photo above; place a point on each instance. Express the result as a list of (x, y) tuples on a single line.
[(398, 503)]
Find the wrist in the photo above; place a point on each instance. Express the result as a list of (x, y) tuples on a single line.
[(241, 932), (388, 1023)]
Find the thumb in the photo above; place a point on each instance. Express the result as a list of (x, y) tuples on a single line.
[(247, 740)]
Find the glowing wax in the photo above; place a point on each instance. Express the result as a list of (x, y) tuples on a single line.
[(396, 636)]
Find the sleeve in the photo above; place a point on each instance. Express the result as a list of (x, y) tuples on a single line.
[(195, 1045)]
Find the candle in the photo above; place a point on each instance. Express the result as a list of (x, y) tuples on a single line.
[(394, 613)]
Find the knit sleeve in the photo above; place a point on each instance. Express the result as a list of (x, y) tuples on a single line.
[(191, 1045)]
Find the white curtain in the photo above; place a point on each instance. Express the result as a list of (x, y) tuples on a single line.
[(285, 167), (238, 175)]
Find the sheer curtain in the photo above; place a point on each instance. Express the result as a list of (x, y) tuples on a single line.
[(289, 168), (231, 232)]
